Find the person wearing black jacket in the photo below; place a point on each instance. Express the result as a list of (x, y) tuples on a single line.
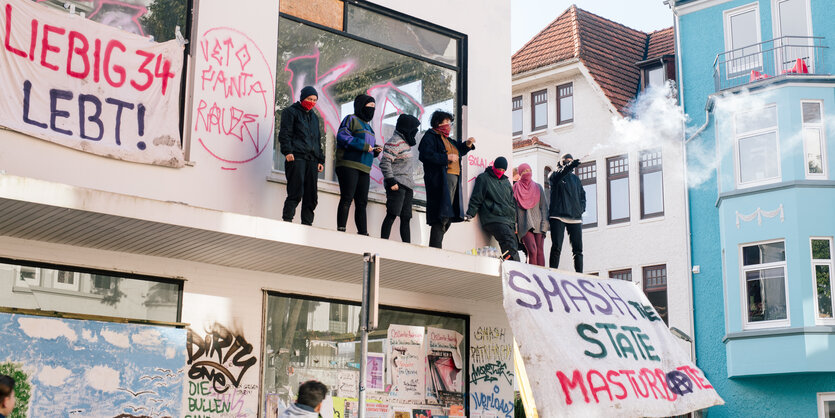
[(493, 201), (568, 202), (300, 141)]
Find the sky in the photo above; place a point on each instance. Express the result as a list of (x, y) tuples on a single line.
[(528, 17)]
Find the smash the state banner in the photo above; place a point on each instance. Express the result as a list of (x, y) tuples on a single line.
[(88, 86), (597, 348)]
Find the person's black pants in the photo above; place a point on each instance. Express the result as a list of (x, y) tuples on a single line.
[(437, 231), (504, 234), (398, 203), (575, 237), (302, 179), (353, 185)]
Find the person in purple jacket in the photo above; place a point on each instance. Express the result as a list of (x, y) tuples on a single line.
[(355, 152)]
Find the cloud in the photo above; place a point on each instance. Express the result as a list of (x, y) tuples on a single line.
[(89, 336), (53, 376), (148, 337), (46, 328), (115, 338), (170, 352), (103, 378)]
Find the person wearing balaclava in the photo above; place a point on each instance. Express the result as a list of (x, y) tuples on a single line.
[(300, 141), (531, 214), (398, 166), (568, 202), (355, 152), (441, 158), (492, 200)]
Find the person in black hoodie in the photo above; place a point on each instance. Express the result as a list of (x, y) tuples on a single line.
[(300, 141), (568, 202), (493, 201)]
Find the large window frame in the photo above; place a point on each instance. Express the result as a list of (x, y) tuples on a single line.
[(792, 49), (817, 128), (587, 172), (649, 162), (539, 98), (648, 75), (622, 274), (617, 168), (565, 91), (655, 282), (744, 269), (825, 398), (754, 133), (823, 264), (517, 106), (735, 65)]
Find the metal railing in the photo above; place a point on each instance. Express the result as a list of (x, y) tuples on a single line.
[(787, 55)]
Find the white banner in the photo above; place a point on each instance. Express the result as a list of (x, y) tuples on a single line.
[(597, 348), (89, 86)]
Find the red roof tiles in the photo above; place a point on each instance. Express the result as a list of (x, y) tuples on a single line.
[(522, 143), (608, 49)]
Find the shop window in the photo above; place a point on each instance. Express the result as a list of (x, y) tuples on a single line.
[(625, 274), (73, 290), (565, 104), (617, 173), (758, 153), (517, 115), (415, 77), (587, 172), (307, 338), (655, 287), (539, 110), (822, 268), (652, 184), (764, 282), (814, 143)]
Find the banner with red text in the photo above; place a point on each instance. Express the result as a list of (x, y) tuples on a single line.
[(597, 348), (89, 86)]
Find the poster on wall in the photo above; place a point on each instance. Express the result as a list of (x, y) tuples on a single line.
[(94, 368), (597, 347), (89, 86), (348, 383), (375, 367), (407, 362), (444, 377)]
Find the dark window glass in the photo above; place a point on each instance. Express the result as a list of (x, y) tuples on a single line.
[(655, 287), (625, 274), (772, 252)]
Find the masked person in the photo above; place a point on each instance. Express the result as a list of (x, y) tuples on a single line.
[(355, 152), (492, 200), (300, 141), (398, 167), (531, 215), (441, 158), (568, 202)]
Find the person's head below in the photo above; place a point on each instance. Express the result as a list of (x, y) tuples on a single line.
[(441, 122), (566, 159), (499, 166), (7, 399), (364, 107), (312, 393), (525, 172), (308, 97)]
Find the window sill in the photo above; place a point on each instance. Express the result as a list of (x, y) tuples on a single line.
[(651, 219), (777, 332), (563, 127), (741, 186), (618, 225), (765, 325), (539, 131)]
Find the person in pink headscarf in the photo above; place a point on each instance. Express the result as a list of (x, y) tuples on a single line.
[(531, 215)]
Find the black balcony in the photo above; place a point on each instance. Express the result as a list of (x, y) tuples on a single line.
[(787, 56)]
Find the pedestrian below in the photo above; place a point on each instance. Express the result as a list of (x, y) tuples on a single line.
[(7, 399), (531, 215), (398, 166), (492, 200), (300, 141), (441, 158), (309, 401), (355, 152), (568, 202)]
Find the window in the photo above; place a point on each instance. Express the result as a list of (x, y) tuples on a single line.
[(742, 38), (813, 139), (75, 290), (792, 26), (539, 110), (625, 274), (654, 77), (587, 172), (517, 115), (652, 184), (565, 104), (415, 69), (826, 405), (822, 273), (546, 183), (764, 281), (320, 339), (757, 148), (617, 176), (655, 287)]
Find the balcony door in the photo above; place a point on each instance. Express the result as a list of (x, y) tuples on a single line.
[(742, 40), (792, 32)]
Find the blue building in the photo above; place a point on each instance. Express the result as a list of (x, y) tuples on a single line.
[(757, 83)]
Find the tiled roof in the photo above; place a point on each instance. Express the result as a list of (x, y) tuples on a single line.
[(523, 143), (661, 42), (608, 49)]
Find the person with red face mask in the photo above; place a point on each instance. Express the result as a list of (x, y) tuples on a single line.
[(531, 214), (441, 158), (492, 200), (300, 141)]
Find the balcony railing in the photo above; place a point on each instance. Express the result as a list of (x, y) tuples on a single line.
[(788, 55)]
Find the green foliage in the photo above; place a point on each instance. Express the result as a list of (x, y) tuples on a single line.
[(822, 276), (163, 17), (22, 389)]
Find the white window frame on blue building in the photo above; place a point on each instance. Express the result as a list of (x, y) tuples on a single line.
[(826, 402), (743, 297), (735, 68), (822, 262), (748, 134), (813, 128)]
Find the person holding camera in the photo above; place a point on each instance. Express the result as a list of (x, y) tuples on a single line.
[(568, 202)]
